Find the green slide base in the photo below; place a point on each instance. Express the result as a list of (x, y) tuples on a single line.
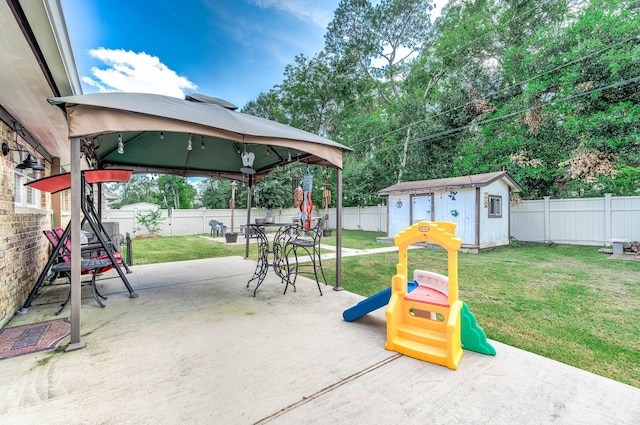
[(473, 337)]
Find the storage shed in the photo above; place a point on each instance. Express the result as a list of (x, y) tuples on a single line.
[(478, 204)]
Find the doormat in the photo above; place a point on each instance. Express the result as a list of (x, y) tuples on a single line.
[(27, 339)]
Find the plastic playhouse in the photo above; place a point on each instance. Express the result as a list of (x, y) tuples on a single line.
[(425, 318)]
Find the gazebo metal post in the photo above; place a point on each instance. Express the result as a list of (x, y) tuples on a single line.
[(338, 286), (246, 229), (76, 195)]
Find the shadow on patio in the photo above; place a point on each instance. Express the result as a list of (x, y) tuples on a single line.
[(196, 347)]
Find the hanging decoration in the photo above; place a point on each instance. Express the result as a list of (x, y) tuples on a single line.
[(326, 195), (298, 194), (307, 206)]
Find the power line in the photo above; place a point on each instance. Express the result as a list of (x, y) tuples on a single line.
[(495, 93), (491, 30), (509, 115)]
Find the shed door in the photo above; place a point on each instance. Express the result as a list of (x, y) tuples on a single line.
[(421, 208), (399, 214)]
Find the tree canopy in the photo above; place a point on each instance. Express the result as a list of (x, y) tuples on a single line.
[(546, 90)]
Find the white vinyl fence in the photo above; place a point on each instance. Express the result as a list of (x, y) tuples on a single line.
[(193, 222), (586, 221)]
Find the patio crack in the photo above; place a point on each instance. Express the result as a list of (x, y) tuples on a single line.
[(328, 389)]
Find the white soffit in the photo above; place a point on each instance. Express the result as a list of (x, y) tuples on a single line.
[(24, 89)]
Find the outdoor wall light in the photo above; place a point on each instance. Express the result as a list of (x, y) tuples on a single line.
[(190, 142), (120, 144), (29, 161)]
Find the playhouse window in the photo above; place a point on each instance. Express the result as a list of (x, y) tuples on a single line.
[(495, 206)]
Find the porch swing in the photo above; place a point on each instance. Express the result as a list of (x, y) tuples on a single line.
[(108, 257)]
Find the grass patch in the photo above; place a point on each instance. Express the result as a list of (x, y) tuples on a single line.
[(181, 248), (356, 239), (568, 303)]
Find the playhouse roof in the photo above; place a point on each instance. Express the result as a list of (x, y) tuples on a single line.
[(476, 180)]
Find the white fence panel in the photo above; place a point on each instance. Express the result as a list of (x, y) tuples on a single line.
[(528, 221), (587, 221), (625, 218), (590, 221), (193, 222)]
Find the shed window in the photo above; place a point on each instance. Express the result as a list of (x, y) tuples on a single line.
[(495, 206)]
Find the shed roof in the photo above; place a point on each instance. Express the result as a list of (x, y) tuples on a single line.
[(476, 180)]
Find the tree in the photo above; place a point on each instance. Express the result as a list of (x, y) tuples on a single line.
[(175, 192), (546, 90), (381, 39), (140, 188), (400, 27), (214, 193), (578, 103)]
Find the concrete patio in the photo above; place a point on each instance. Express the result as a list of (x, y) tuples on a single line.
[(197, 348)]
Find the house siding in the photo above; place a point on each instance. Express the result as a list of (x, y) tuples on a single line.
[(23, 249), (494, 231)]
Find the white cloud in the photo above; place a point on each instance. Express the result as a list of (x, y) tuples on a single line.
[(319, 13), (135, 72)]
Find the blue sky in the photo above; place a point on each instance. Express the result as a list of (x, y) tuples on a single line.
[(232, 49)]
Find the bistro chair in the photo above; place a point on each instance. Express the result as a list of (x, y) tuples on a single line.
[(305, 242), (262, 265), (271, 255)]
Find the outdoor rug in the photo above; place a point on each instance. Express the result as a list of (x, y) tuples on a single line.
[(26, 339)]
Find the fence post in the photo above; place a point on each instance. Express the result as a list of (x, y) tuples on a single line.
[(607, 219), (129, 254), (133, 228), (547, 219)]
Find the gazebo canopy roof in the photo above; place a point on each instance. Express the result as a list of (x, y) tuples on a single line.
[(157, 131)]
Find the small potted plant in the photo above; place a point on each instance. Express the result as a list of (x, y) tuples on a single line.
[(326, 232)]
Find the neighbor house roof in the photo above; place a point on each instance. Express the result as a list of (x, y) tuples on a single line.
[(476, 180)]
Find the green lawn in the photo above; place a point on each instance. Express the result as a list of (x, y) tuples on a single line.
[(568, 303)]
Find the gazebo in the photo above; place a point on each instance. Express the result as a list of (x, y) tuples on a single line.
[(198, 136)]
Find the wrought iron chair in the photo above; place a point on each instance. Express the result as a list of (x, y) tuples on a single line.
[(265, 250), (263, 261), (280, 263), (308, 241)]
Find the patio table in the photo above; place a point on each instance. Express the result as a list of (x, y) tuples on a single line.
[(271, 254)]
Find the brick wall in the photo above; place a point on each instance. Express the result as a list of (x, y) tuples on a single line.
[(23, 248)]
